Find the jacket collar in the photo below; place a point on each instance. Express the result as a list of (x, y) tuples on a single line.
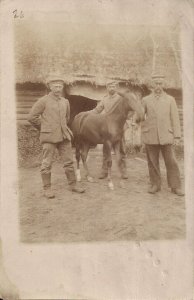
[(157, 97), (54, 97)]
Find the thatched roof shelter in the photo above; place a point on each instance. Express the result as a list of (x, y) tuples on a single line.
[(91, 52)]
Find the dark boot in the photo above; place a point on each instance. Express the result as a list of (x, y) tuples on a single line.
[(124, 174), (46, 180), (105, 159), (153, 189), (123, 168), (104, 170), (103, 174), (71, 177), (75, 188), (177, 191)]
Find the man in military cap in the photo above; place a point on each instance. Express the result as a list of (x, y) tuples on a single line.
[(51, 114), (160, 130), (106, 105)]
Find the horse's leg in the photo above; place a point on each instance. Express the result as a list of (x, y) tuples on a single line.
[(108, 146), (117, 146), (77, 155), (119, 161), (84, 153)]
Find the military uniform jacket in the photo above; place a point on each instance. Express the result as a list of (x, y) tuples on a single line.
[(161, 123), (107, 103), (50, 115)]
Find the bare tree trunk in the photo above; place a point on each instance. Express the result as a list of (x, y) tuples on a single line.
[(175, 52), (155, 46)]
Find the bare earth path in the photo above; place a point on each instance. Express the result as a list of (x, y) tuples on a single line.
[(127, 213)]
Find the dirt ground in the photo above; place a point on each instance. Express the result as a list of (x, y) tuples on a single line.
[(127, 213)]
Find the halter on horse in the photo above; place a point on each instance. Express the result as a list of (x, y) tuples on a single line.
[(90, 129)]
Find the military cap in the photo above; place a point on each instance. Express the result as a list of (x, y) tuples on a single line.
[(54, 77)]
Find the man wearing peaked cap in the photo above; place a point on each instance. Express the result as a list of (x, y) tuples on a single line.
[(160, 130), (106, 104), (54, 78), (51, 114)]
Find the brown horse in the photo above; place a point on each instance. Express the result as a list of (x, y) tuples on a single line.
[(90, 129)]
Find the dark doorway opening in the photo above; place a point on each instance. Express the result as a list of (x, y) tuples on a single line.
[(79, 104)]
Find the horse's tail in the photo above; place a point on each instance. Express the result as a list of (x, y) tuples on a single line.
[(79, 121), (77, 144), (76, 128)]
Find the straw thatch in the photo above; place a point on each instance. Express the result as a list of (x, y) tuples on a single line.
[(93, 52)]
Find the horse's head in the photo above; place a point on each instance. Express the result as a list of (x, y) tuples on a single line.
[(133, 102)]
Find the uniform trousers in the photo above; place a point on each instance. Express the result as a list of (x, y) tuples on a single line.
[(172, 169), (65, 152)]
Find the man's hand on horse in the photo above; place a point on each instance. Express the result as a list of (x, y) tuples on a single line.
[(121, 93)]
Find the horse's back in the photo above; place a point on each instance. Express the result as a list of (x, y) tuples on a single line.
[(90, 126), (77, 122)]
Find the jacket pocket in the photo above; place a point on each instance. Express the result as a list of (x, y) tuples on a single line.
[(45, 129)]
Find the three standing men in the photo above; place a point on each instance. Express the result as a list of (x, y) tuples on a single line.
[(51, 114), (160, 130)]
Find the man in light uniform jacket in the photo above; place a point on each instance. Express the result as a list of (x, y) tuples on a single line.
[(50, 114), (160, 130)]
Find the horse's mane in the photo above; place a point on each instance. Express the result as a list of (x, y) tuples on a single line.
[(122, 99)]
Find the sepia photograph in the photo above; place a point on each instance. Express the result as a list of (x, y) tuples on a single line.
[(101, 149), (100, 132)]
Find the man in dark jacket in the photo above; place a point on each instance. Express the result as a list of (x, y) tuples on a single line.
[(50, 114), (160, 130), (106, 104)]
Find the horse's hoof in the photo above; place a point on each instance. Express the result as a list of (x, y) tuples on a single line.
[(78, 175), (90, 179), (111, 186)]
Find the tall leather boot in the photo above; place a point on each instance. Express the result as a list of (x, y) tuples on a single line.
[(103, 174), (123, 169), (104, 171), (72, 182), (46, 180), (123, 165)]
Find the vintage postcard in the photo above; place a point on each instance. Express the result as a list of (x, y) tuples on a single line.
[(97, 149)]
